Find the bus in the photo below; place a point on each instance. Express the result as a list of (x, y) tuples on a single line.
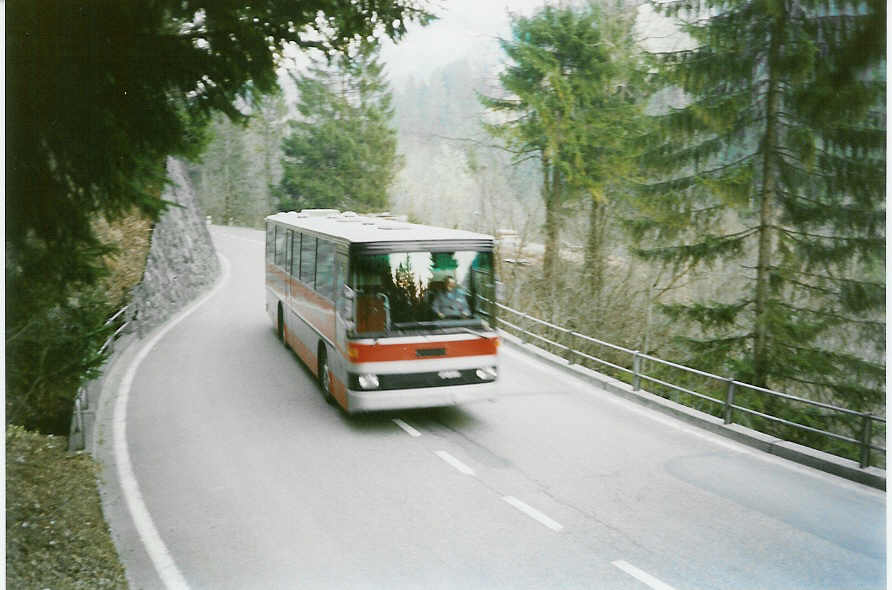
[(386, 314)]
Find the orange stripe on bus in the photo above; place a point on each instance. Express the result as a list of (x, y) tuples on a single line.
[(339, 391), (299, 349), (372, 353)]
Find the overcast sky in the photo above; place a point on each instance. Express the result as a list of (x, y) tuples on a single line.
[(472, 27), (464, 26), (467, 27)]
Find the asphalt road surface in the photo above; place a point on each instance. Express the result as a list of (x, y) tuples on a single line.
[(226, 469)]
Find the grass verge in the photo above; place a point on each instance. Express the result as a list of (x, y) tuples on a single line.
[(56, 535)]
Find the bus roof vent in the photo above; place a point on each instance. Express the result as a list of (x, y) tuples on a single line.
[(319, 212), (348, 214)]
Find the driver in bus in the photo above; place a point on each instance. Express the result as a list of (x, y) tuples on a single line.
[(451, 303)]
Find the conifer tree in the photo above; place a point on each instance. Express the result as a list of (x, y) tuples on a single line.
[(240, 168), (771, 170), (224, 183), (567, 105), (266, 131), (99, 94), (341, 153), (606, 163)]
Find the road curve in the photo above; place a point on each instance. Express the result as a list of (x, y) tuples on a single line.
[(250, 480)]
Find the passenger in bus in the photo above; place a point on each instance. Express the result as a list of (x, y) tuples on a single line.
[(451, 303)]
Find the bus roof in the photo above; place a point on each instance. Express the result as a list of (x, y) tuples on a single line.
[(386, 232)]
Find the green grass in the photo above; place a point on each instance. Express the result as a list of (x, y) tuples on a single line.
[(56, 536)]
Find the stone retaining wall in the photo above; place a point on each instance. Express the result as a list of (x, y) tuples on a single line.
[(182, 261)]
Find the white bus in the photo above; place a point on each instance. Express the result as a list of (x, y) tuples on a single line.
[(387, 314)]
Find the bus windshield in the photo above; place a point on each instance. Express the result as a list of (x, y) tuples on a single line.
[(419, 291)]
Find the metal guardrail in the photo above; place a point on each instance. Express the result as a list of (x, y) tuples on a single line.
[(77, 437), (117, 332), (566, 341)]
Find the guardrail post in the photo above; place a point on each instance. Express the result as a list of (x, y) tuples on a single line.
[(636, 372), (568, 342), (571, 352), (866, 428), (523, 327), (729, 401), (77, 437), (79, 415)]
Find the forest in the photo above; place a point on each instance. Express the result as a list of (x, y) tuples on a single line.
[(718, 201)]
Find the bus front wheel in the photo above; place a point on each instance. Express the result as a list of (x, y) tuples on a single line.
[(280, 325), (323, 373)]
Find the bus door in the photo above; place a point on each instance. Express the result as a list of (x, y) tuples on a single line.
[(289, 265), (344, 302)]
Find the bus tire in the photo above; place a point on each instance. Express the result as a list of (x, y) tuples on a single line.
[(323, 374), (280, 325)]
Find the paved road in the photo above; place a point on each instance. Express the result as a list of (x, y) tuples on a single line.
[(248, 479)]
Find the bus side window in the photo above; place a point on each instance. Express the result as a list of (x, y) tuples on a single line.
[(308, 260), (345, 305), (280, 246), (295, 255), (270, 242), (325, 254), (288, 248)]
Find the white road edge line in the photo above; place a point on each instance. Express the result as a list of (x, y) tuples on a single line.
[(533, 513), (409, 430), (161, 558), (454, 462), (642, 576)]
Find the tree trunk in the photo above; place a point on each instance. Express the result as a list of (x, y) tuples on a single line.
[(268, 137), (767, 212), (227, 189), (550, 219), (595, 255), (552, 226)]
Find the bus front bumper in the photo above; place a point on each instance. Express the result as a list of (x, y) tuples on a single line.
[(424, 397)]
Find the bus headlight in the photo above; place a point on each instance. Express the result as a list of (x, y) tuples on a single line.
[(487, 373), (368, 381)]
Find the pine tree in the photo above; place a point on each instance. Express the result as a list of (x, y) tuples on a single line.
[(223, 190), (606, 168), (239, 168), (772, 170), (567, 106), (99, 94), (267, 130), (341, 153)]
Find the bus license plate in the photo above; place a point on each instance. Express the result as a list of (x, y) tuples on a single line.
[(449, 374)]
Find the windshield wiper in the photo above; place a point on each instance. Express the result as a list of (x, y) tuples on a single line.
[(439, 326), (472, 332), (416, 325)]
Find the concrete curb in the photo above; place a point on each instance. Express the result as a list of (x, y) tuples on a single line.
[(820, 460), (86, 438)]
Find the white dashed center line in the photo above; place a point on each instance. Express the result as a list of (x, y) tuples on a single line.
[(455, 462), (409, 430), (533, 513), (642, 576)]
